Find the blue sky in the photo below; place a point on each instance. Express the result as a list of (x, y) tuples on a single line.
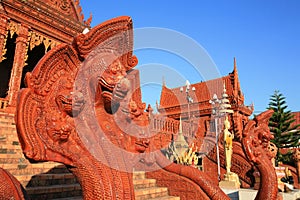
[(263, 35)]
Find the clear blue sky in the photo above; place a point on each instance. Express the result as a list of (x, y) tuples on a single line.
[(263, 35)]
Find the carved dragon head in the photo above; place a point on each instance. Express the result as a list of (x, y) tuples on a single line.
[(71, 80)]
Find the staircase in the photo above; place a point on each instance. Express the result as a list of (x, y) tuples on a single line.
[(147, 189), (52, 180), (47, 180)]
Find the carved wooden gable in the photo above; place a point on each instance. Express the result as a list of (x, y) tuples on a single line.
[(69, 8), (59, 19)]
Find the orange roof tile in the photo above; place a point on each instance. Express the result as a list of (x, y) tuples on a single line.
[(204, 92), (297, 118)]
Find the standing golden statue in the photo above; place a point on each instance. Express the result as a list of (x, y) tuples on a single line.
[(231, 180), (228, 137)]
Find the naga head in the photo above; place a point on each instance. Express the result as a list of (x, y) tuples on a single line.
[(58, 91), (113, 86)]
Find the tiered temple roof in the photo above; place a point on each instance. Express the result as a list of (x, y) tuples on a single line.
[(172, 99), (174, 104)]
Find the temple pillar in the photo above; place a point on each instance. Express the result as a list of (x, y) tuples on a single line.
[(18, 64)]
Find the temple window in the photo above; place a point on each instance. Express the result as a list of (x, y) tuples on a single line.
[(34, 56), (7, 64)]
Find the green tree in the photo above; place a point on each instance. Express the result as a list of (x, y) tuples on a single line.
[(280, 124)]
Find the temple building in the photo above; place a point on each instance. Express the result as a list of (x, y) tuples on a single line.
[(201, 107), (29, 29), (194, 105), (297, 118)]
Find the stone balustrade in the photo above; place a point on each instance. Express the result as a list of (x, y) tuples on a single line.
[(168, 125)]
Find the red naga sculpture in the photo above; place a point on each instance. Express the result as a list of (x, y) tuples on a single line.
[(77, 109), (10, 188), (256, 141)]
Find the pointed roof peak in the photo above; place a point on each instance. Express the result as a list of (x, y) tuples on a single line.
[(234, 66), (235, 76), (163, 81)]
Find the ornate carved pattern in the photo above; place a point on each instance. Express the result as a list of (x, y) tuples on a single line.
[(256, 141), (10, 188), (36, 39), (83, 42), (191, 182), (67, 6), (4, 50), (3, 36), (63, 5), (42, 15), (53, 115), (14, 28), (185, 189)]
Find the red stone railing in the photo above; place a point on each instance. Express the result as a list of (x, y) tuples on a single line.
[(168, 125)]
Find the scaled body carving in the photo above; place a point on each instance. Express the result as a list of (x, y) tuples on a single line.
[(72, 87), (256, 141), (10, 188)]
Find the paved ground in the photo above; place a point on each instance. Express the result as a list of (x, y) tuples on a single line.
[(249, 194)]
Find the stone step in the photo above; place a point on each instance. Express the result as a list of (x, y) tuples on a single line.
[(46, 179), (7, 119), (7, 129), (32, 169), (70, 198), (54, 191), (8, 138), (139, 175), (8, 132), (3, 113), (144, 183), (52, 188), (152, 192), (166, 198), (14, 145), (10, 149), (45, 165), (12, 158), (13, 155)]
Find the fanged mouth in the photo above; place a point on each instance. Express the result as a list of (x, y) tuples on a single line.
[(106, 86), (143, 143), (111, 92), (141, 147), (66, 103)]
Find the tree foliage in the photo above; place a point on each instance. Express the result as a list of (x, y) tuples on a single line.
[(285, 134)]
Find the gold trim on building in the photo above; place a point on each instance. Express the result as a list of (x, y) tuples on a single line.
[(36, 39)]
